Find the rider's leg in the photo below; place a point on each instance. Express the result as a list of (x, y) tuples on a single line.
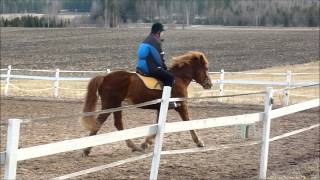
[(168, 80), (165, 76)]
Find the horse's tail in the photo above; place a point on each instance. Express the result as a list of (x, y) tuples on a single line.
[(89, 122)]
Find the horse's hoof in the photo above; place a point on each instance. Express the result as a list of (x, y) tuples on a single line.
[(137, 149), (85, 154), (144, 145), (200, 144)]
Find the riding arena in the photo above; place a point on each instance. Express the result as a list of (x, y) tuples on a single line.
[(254, 113)]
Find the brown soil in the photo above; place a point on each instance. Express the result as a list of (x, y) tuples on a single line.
[(232, 49), (293, 157)]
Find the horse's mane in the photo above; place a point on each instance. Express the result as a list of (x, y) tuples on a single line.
[(187, 58)]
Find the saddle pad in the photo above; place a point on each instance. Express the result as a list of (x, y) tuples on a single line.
[(150, 82)]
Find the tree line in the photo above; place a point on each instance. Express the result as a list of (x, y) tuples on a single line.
[(33, 21), (207, 12)]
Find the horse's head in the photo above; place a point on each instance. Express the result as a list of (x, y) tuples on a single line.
[(200, 70), (197, 64)]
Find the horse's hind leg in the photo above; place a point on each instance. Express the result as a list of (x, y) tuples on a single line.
[(87, 151), (183, 112), (118, 123), (101, 119)]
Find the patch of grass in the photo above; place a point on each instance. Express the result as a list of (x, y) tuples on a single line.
[(296, 95)]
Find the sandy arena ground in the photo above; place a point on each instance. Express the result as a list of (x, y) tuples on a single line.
[(293, 157)]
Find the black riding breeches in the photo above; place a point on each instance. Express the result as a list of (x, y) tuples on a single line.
[(165, 76)]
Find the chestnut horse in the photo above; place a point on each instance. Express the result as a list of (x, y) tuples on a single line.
[(118, 86)]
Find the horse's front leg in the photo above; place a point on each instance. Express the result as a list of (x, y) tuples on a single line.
[(183, 112), (150, 139)]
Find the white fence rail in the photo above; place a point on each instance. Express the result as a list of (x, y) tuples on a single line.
[(221, 81), (56, 78), (181, 151), (81, 143), (288, 83), (14, 154), (2, 157), (265, 83)]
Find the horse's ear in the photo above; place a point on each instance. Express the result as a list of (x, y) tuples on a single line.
[(202, 59)]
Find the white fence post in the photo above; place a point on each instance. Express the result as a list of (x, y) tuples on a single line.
[(244, 131), (56, 84), (268, 101), (221, 91), (286, 91), (11, 149), (6, 89), (160, 132)]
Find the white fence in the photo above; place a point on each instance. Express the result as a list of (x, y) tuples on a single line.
[(14, 154), (221, 81), (56, 78), (287, 84)]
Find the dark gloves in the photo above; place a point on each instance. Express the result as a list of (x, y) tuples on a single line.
[(164, 66)]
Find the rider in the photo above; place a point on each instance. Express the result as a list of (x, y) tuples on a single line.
[(151, 57)]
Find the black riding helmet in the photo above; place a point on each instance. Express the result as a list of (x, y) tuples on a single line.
[(156, 27)]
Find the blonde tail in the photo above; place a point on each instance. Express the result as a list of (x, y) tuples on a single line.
[(89, 122)]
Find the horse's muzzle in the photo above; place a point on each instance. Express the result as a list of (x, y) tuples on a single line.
[(207, 84)]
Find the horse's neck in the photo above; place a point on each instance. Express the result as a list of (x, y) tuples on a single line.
[(184, 73)]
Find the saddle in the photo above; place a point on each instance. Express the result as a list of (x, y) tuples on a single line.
[(151, 82)]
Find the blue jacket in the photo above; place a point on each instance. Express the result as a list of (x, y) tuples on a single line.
[(149, 58)]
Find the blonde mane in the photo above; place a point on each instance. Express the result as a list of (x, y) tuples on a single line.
[(187, 58)]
